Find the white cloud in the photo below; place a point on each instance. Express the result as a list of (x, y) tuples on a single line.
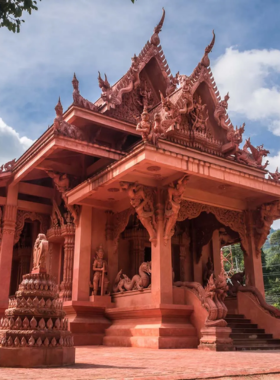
[(11, 144), (249, 77)]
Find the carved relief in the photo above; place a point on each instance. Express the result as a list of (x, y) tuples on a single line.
[(100, 279), (266, 215), (63, 183), (116, 223), (142, 200), (144, 126), (23, 215), (175, 192), (138, 282), (233, 219), (220, 113), (61, 127), (78, 100)]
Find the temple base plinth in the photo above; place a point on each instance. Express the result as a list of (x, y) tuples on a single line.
[(87, 322), (101, 300), (32, 357), (216, 339), (153, 326)]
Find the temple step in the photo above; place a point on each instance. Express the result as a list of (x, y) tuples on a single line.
[(250, 336), (253, 348), (234, 316), (248, 330), (237, 320), (247, 335), (243, 325)]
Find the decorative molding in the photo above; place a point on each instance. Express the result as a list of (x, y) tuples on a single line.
[(142, 200), (23, 215), (234, 219)]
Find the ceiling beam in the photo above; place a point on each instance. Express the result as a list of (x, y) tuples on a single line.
[(36, 190)]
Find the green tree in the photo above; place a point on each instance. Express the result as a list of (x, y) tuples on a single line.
[(11, 12)]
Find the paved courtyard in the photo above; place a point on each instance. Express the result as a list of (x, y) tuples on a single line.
[(98, 362)]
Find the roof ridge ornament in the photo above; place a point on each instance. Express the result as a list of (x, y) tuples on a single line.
[(78, 99), (155, 38), (205, 61)]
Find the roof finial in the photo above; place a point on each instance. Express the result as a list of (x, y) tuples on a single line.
[(205, 59), (103, 84), (155, 38), (58, 108)]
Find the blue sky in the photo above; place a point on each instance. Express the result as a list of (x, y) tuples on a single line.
[(85, 36)]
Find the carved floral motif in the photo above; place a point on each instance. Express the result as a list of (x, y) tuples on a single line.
[(233, 219), (21, 218)]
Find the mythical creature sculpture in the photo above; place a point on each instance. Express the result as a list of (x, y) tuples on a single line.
[(138, 282), (40, 251), (235, 135), (8, 166), (172, 115), (208, 271), (220, 113), (141, 199), (220, 294), (61, 181), (63, 128), (144, 126), (100, 279), (255, 157), (187, 95), (78, 100), (236, 281), (175, 192), (275, 176)]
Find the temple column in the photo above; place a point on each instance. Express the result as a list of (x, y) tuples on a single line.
[(7, 245), (216, 247), (82, 256), (252, 259), (68, 232), (162, 291)]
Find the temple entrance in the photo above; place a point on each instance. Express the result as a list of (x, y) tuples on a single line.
[(22, 253)]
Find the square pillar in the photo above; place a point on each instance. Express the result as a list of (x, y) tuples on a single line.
[(7, 245), (82, 256), (162, 288), (216, 246)]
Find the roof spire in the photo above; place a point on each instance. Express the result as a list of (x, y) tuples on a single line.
[(58, 108), (205, 59), (75, 82), (155, 38)]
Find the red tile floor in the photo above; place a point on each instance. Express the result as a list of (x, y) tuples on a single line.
[(99, 362)]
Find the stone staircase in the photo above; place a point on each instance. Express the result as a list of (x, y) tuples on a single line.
[(247, 335)]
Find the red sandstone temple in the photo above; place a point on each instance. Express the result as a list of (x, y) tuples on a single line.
[(137, 193)]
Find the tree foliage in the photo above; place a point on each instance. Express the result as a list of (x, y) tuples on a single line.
[(11, 12)]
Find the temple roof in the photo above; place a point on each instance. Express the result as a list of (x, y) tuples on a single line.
[(151, 102)]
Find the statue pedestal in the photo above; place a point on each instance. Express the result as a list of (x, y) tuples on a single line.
[(104, 301), (216, 339)]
